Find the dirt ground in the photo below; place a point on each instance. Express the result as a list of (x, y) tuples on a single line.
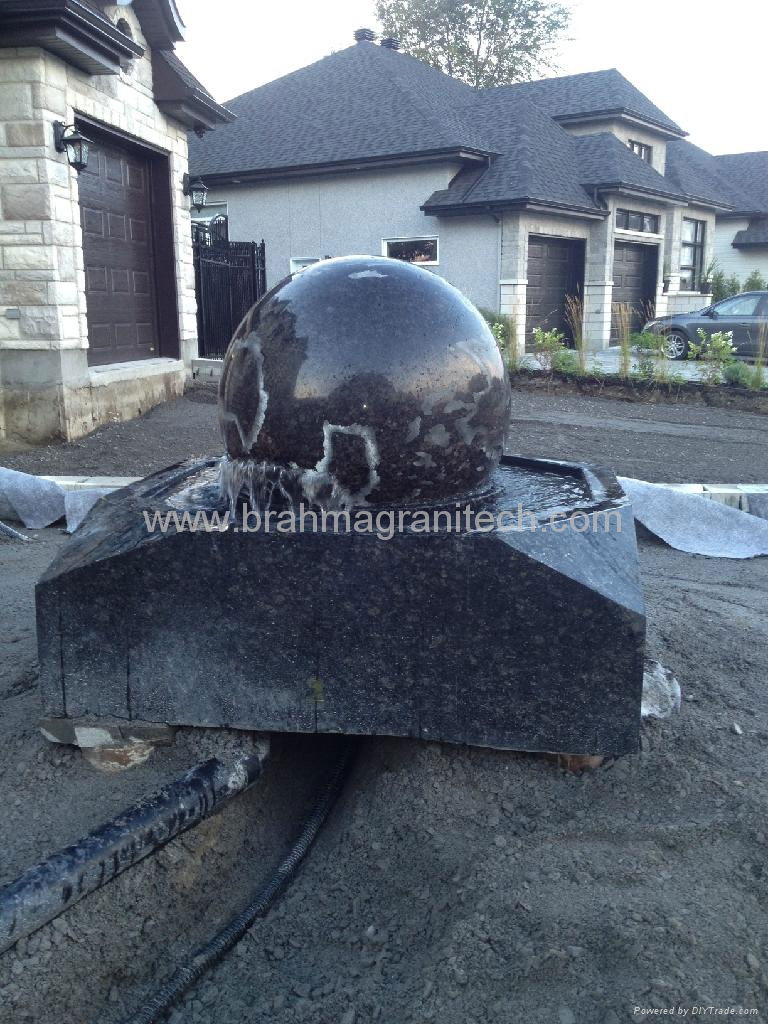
[(657, 442), (454, 885), (462, 886)]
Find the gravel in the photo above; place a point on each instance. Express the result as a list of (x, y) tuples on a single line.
[(660, 442), (451, 884)]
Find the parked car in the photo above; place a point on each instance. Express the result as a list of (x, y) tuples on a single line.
[(746, 315)]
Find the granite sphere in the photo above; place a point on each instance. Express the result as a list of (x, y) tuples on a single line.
[(374, 371)]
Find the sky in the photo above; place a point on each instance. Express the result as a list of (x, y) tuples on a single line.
[(704, 64)]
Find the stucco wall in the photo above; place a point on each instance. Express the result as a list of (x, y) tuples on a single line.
[(740, 262), (343, 214), (42, 281)]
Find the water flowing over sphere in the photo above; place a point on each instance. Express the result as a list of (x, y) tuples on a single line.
[(373, 373)]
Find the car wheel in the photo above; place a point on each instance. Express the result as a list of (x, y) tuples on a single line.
[(676, 345)]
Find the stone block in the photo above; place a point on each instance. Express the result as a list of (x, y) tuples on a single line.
[(23, 293), (41, 321), (19, 170), (528, 640), (26, 202), (29, 257), (15, 101), (26, 133), (48, 97)]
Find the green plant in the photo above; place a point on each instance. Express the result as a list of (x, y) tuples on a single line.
[(546, 345), (504, 329), (651, 357), (755, 282), (574, 316), (738, 375), (567, 361), (719, 286), (622, 313), (732, 286), (716, 351)]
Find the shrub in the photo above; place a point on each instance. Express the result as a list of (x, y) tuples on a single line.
[(732, 286), (566, 361), (546, 345), (719, 286), (755, 282), (738, 375), (651, 355), (716, 351), (504, 329)]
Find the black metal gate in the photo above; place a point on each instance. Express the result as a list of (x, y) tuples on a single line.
[(229, 278)]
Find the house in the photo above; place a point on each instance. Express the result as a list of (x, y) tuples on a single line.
[(741, 235), (519, 195), (97, 303)]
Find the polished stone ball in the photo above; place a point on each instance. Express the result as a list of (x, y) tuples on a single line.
[(372, 372)]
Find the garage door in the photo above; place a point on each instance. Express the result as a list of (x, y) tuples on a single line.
[(634, 282), (555, 270), (116, 217)]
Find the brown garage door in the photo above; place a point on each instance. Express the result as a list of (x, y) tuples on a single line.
[(555, 270), (634, 282), (116, 216)]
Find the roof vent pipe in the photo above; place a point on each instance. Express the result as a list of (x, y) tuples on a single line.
[(364, 35), (390, 43)]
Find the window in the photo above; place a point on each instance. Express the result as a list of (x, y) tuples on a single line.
[(633, 220), (641, 149), (691, 254), (302, 262), (739, 305), (411, 250)]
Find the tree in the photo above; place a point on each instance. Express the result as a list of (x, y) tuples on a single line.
[(481, 42)]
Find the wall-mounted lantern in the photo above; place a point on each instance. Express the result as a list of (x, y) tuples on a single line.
[(69, 140), (197, 190)]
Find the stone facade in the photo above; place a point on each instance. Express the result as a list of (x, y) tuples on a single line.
[(47, 389)]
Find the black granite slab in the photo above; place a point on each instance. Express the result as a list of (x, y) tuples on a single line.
[(527, 640)]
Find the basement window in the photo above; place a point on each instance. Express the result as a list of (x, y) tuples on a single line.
[(411, 250), (633, 220), (641, 149)]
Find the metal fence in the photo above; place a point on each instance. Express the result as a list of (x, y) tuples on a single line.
[(229, 278)]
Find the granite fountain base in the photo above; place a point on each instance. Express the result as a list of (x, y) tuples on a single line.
[(524, 638)]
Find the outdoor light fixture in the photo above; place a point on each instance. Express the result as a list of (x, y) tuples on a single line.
[(198, 191), (69, 140)]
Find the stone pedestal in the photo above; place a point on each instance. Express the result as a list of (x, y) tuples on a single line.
[(528, 639)]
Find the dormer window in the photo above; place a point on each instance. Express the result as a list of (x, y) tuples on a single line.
[(641, 149)]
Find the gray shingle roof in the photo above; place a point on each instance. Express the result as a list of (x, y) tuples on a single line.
[(605, 160), (699, 175), (369, 102), (749, 173), (596, 92), (364, 102), (755, 234), (536, 160)]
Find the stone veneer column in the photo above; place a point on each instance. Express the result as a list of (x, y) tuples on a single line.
[(513, 276), (598, 285)]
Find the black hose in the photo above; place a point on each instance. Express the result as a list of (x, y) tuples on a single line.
[(48, 889), (207, 955), (11, 534)]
